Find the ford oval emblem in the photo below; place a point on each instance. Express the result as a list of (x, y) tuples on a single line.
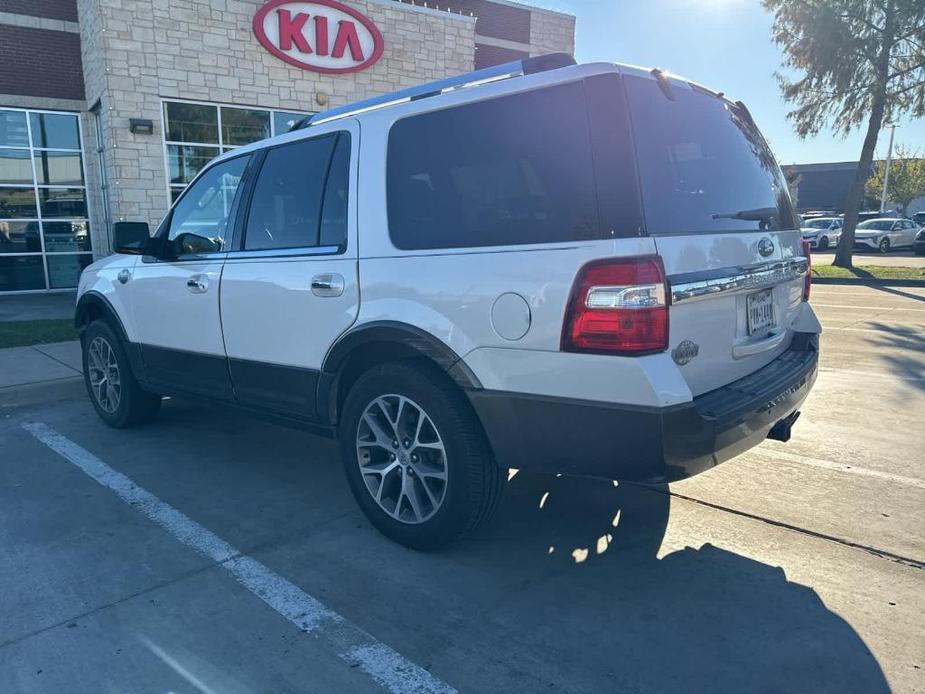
[(765, 247), (685, 352)]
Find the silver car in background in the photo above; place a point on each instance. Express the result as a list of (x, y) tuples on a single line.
[(885, 234), (822, 232)]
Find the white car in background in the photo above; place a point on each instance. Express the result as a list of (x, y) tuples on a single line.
[(885, 234), (822, 232)]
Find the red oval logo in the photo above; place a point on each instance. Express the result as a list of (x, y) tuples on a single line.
[(321, 35)]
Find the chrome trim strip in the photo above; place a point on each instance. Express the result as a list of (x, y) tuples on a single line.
[(736, 279), (285, 252)]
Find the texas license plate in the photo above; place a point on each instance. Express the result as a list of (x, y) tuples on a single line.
[(760, 308)]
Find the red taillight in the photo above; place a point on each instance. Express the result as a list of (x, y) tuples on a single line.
[(618, 306), (807, 283)]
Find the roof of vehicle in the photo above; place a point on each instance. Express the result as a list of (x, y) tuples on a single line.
[(562, 64)]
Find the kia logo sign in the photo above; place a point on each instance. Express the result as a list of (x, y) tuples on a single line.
[(321, 35)]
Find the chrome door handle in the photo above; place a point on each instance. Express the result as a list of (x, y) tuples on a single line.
[(198, 284), (328, 284)]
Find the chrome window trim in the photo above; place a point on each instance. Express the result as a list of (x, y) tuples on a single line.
[(736, 279), (292, 252)]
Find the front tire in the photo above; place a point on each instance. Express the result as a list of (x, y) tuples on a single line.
[(111, 385), (885, 245), (416, 457), (824, 243)]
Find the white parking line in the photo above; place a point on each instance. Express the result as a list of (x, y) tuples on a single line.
[(880, 375), (355, 646), (839, 467)]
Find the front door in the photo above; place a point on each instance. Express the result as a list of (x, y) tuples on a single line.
[(290, 287), (175, 297)]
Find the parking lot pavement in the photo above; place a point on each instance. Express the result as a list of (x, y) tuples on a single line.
[(797, 567)]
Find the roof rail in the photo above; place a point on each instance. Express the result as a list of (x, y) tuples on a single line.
[(517, 68)]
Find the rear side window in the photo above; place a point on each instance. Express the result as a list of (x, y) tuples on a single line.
[(512, 170), (293, 205), (703, 165)]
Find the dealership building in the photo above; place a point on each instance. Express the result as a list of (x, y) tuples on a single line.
[(108, 108)]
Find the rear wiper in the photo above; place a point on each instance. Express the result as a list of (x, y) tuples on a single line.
[(757, 215)]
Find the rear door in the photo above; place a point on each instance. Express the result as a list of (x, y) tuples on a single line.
[(716, 204), (290, 287)]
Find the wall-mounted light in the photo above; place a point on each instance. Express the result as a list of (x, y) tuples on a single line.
[(141, 126)]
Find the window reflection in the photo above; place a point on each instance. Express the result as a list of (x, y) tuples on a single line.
[(54, 131)]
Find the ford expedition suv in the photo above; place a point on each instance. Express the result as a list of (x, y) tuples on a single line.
[(588, 269)]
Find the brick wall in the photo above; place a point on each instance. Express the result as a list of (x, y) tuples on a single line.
[(142, 51), (486, 55), (40, 63), (53, 9), (493, 19)]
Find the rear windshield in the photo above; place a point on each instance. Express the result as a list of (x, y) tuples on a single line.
[(703, 165)]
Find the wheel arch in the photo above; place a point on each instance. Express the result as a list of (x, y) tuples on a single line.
[(376, 343), (93, 306)]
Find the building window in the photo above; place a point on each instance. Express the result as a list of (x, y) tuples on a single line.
[(195, 133), (44, 224)]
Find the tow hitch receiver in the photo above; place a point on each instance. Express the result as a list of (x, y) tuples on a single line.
[(781, 430)]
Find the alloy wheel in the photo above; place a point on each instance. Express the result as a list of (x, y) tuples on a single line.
[(402, 458), (103, 372)]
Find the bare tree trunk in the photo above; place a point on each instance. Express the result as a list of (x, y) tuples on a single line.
[(856, 194)]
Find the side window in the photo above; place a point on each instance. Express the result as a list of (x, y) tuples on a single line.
[(286, 206), (513, 170), (199, 222)]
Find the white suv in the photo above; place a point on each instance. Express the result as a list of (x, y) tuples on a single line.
[(587, 269)]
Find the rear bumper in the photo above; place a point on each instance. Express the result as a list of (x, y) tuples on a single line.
[(583, 437)]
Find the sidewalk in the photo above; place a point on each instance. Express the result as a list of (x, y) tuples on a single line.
[(31, 374)]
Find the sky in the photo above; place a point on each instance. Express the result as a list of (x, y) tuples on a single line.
[(723, 44)]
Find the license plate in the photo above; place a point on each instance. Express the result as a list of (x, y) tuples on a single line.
[(760, 309)]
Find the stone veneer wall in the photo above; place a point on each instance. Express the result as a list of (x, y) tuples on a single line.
[(551, 33), (137, 52)]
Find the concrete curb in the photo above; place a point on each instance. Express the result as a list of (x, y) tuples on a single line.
[(869, 283), (42, 392)]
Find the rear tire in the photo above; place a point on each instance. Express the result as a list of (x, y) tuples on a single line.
[(416, 457), (885, 245), (111, 385)]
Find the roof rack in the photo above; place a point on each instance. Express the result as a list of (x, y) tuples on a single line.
[(517, 68)]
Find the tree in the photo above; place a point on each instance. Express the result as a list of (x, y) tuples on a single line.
[(907, 179), (793, 185), (855, 61)]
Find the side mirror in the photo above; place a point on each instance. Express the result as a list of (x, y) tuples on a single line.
[(131, 237)]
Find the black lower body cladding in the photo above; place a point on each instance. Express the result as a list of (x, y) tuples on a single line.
[(534, 432)]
